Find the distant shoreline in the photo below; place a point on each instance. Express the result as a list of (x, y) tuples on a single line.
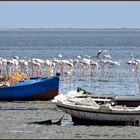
[(70, 29)]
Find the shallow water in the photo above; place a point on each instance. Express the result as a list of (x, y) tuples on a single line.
[(47, 44), (117, 85)]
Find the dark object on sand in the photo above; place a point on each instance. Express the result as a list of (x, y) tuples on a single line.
[(18, 108), (48, 122), (35, 88)]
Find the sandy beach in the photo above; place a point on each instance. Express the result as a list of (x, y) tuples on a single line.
[(16, 122)]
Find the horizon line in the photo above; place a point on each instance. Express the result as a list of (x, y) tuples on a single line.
[(70, 28)]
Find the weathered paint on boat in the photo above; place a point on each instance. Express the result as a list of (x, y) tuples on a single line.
[(37, 88), (85, 109), (82, 115)]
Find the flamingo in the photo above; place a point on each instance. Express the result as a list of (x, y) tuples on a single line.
[(99, 52), (59, 56), (133, 64), (85, 64), (93, 65), (23, 66), (79, 57)]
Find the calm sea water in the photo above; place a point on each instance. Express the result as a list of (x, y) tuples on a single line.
[(47, 44)]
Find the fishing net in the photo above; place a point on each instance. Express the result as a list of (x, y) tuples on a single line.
[(12, 78)]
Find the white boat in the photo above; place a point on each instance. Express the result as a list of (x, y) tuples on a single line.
[(87, 109)]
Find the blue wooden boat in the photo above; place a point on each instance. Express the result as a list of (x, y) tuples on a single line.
[(36, 88)]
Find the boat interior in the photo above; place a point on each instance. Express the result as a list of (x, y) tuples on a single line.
[(128, 100)]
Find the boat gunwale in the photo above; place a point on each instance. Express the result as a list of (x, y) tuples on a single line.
[(97, 110), (32, 82)]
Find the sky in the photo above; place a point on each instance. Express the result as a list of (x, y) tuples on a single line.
[(70, 14)]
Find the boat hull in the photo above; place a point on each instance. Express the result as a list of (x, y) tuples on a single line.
[(90, 116), (31, 89)]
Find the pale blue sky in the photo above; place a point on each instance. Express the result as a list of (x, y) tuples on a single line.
[(70, 14)]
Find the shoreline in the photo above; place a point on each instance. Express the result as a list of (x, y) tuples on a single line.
[(15, 124)]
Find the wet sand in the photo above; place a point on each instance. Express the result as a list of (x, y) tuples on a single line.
[(16, 123)]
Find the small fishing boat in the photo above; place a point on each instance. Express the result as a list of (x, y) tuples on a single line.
[(90, 109), (35, 88)]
